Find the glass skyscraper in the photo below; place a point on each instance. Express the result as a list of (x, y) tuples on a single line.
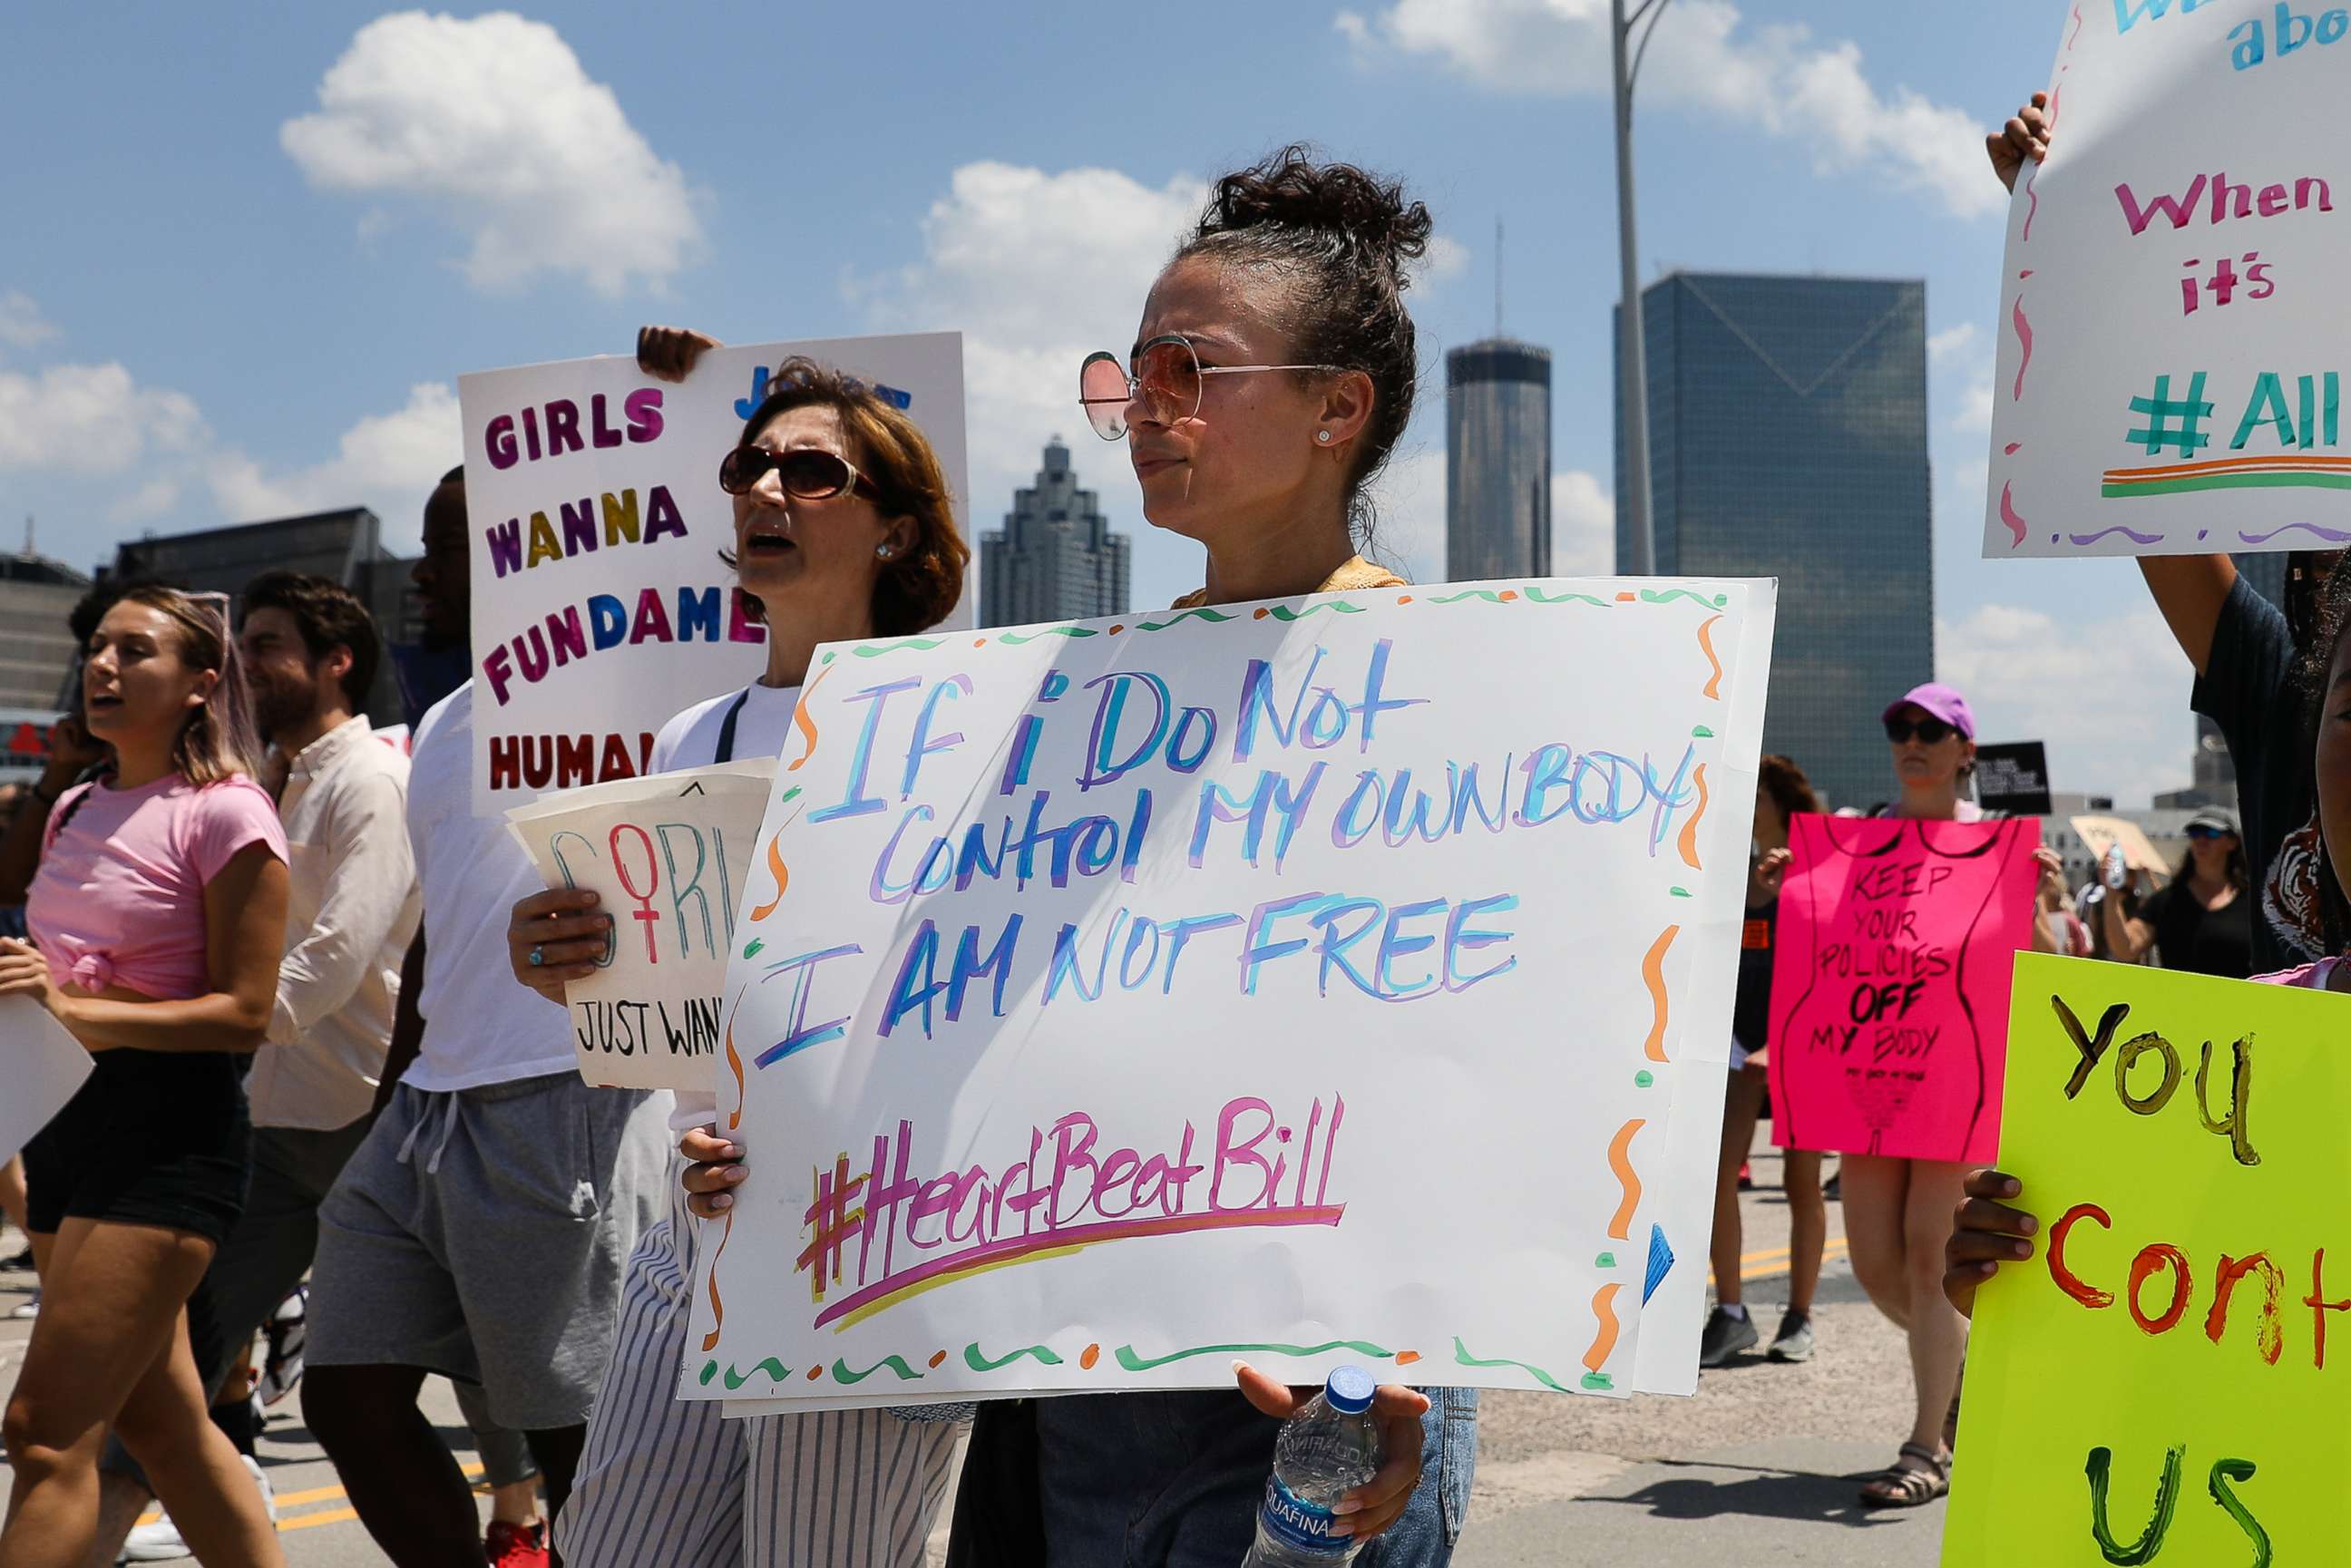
[(1055, 559), (1497, 461), (1788, 439)]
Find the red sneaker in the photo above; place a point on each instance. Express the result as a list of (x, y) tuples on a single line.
[(515, 1546)]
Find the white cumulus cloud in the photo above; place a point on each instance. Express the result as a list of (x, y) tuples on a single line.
[(1779, 78), (387, 461), (492, 124), (1583, 526), (89, 419), (2109, 694)]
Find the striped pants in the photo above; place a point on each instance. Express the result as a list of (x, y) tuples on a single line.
[(667, 1481)]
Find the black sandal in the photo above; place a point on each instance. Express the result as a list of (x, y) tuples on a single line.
[(1901, 1486)]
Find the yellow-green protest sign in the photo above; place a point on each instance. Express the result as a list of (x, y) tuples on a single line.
[(2171, 1372)]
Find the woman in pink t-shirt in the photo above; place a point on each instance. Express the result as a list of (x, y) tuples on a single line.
[(157, 918)]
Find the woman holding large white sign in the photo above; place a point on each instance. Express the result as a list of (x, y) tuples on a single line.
[(844, 529), (1273, 372)]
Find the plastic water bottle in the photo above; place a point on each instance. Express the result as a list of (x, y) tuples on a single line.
[(1326, 1450), (2116, 868)]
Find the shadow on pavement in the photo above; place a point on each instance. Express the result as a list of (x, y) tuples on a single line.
[(1801, 1495)]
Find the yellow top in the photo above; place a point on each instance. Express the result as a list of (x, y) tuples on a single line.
[(1355, 572)]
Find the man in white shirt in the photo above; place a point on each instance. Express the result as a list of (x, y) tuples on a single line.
[(480, 1229)]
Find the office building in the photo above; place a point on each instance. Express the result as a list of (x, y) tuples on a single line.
[(1056, 557), (346, 546), (1788, 439), (1497, 461), (37, 648)]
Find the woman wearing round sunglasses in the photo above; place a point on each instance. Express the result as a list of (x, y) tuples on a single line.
[(1897, 1212), (844, 529), (1273, 372)]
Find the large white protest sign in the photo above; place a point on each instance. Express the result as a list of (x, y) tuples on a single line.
[(666, 856), (44, 1067), (600, 605), (2170, 371), (1313, 981)]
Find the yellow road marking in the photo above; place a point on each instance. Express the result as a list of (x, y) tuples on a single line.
[(1835, 1248), (325, 1494)]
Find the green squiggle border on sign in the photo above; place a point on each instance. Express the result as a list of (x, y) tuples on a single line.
[(1462, 1357), (1134, 1363), (1284, 613), (776, 1370), (978, 1362), (841, 1372), (1016, 639), (875, 649), (1537, 596), (1197, 613), (1651, 596)]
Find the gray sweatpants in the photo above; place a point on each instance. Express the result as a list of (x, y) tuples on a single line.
[(481, 1234)]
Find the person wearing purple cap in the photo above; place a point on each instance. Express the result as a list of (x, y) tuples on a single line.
[(1897, 1211)]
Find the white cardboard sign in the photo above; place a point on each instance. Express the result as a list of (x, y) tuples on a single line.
[(600, 605), (666, 856), (2170, 372), (1344, 979), (46, 1066)]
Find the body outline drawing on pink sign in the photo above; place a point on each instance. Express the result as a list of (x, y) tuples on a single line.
[(1835, 857)]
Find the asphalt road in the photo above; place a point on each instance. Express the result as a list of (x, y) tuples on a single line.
[(1762, 1467)]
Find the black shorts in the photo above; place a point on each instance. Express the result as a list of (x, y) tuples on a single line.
[(152, 1138)]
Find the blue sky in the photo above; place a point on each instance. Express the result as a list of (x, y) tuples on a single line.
[(244, 279)]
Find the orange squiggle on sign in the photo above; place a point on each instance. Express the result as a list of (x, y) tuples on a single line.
[(1713, 689), (1604, 1308), (1653, 975), (1620, 1225)]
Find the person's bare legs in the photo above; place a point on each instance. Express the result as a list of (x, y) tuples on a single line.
[(1939, 1335), (110, 1347), (1742, 1103), (1876, 1229), (1808, 1226), (516, 1502), (12, 1193), (401, 1479), (558, 1451)]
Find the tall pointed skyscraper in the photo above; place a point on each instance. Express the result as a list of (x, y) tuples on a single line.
[(1497, 461), (1055, 559)]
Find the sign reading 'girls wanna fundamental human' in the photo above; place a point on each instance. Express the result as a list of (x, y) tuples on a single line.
[(601, 605), (1333, 979), (2169, 378), (2162, 1382)]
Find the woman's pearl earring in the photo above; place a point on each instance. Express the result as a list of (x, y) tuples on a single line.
[(1322, 435)]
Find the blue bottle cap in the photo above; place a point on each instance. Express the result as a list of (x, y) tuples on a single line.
[(1349, 1390)]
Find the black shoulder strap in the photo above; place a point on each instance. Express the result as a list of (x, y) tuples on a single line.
[(727, 729)]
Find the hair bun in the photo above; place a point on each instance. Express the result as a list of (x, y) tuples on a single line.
[(1288, 189)]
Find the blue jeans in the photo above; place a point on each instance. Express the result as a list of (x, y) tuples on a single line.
[(1172, 1480)]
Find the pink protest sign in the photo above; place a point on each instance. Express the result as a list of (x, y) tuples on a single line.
[(1890, 994)]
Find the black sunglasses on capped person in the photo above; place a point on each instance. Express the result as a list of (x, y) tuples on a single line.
[(2206, 830), (1928, 730), (806, 472)]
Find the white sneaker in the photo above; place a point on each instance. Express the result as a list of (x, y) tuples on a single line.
[(156, 1542), (160, 1542)]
